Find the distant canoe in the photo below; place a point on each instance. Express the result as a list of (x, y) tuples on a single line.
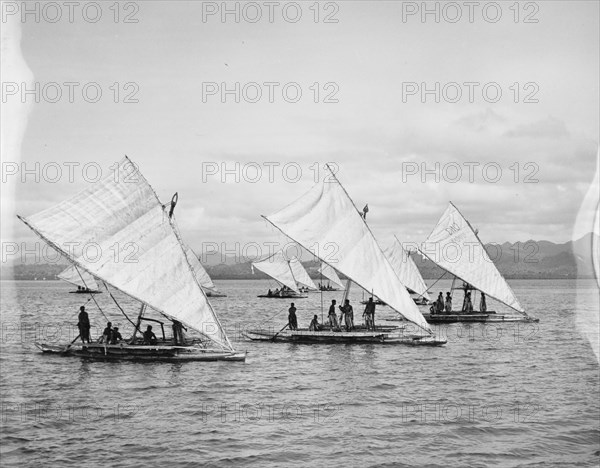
[(285, 296)]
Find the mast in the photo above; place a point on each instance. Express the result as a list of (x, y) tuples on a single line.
[(138, 322), (347, 291), (321, 292)]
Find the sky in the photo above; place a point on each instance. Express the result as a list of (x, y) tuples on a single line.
[(517, 164)]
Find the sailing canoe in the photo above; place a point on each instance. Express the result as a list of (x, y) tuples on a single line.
[(140, 253), (326, 215), (455, 247), (288, 273)]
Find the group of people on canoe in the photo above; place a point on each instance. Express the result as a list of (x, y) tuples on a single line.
[(326, 287), (444, 306), (346, 317), (111, 335), (283, 292)]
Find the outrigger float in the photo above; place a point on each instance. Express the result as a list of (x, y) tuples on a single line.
[(326, 215), (120, 211), (455, 247)]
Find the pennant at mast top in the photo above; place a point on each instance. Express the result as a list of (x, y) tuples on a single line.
[(326, 215), (139, 250)]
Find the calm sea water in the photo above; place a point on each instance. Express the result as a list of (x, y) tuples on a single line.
[(510, 395)]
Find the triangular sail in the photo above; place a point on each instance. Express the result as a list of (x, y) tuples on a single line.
[(327, 216), (201, 275), (331, 275), (119, 232), (278, 268), (79, 278), (300, 274), (406, 269), (454, 246)]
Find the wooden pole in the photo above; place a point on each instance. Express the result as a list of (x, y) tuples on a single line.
[(137, 326), (286, 325), (69, 345)]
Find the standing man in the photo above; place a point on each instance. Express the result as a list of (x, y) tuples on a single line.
[(482, 303), (468, 305), (178, 333), (292, 319), (348, 314), (369, 314), (440, 303), (84, 325), (333, 323), (448, 302)]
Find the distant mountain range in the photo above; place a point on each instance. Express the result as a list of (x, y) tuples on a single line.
[(530, 259)]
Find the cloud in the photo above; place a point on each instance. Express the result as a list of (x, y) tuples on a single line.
[(550, 127), (485, 120)]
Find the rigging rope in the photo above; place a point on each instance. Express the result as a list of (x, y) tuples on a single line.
[(271, 318), (436, 281), (91, 295), (120, 308)]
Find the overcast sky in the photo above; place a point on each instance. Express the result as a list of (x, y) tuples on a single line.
[(379, 135)]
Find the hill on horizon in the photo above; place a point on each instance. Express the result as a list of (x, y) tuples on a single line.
[(519, 260)]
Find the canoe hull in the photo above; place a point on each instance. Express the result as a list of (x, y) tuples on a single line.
[(214, 294), (281, 297), (477, 317), (120, 352), (387, 336)]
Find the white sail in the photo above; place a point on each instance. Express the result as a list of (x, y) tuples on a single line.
[(201, 275), (331, 275), (301, 275), (454, 246), (406, 269), (278, 267), (79, 278), (119, 232), (327, 216)]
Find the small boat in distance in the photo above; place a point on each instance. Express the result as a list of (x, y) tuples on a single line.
[(291, 277), (455, 247), (332, 277), (326, 215), (86, 284), (407, 272), (202, 275), (119, 215)]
